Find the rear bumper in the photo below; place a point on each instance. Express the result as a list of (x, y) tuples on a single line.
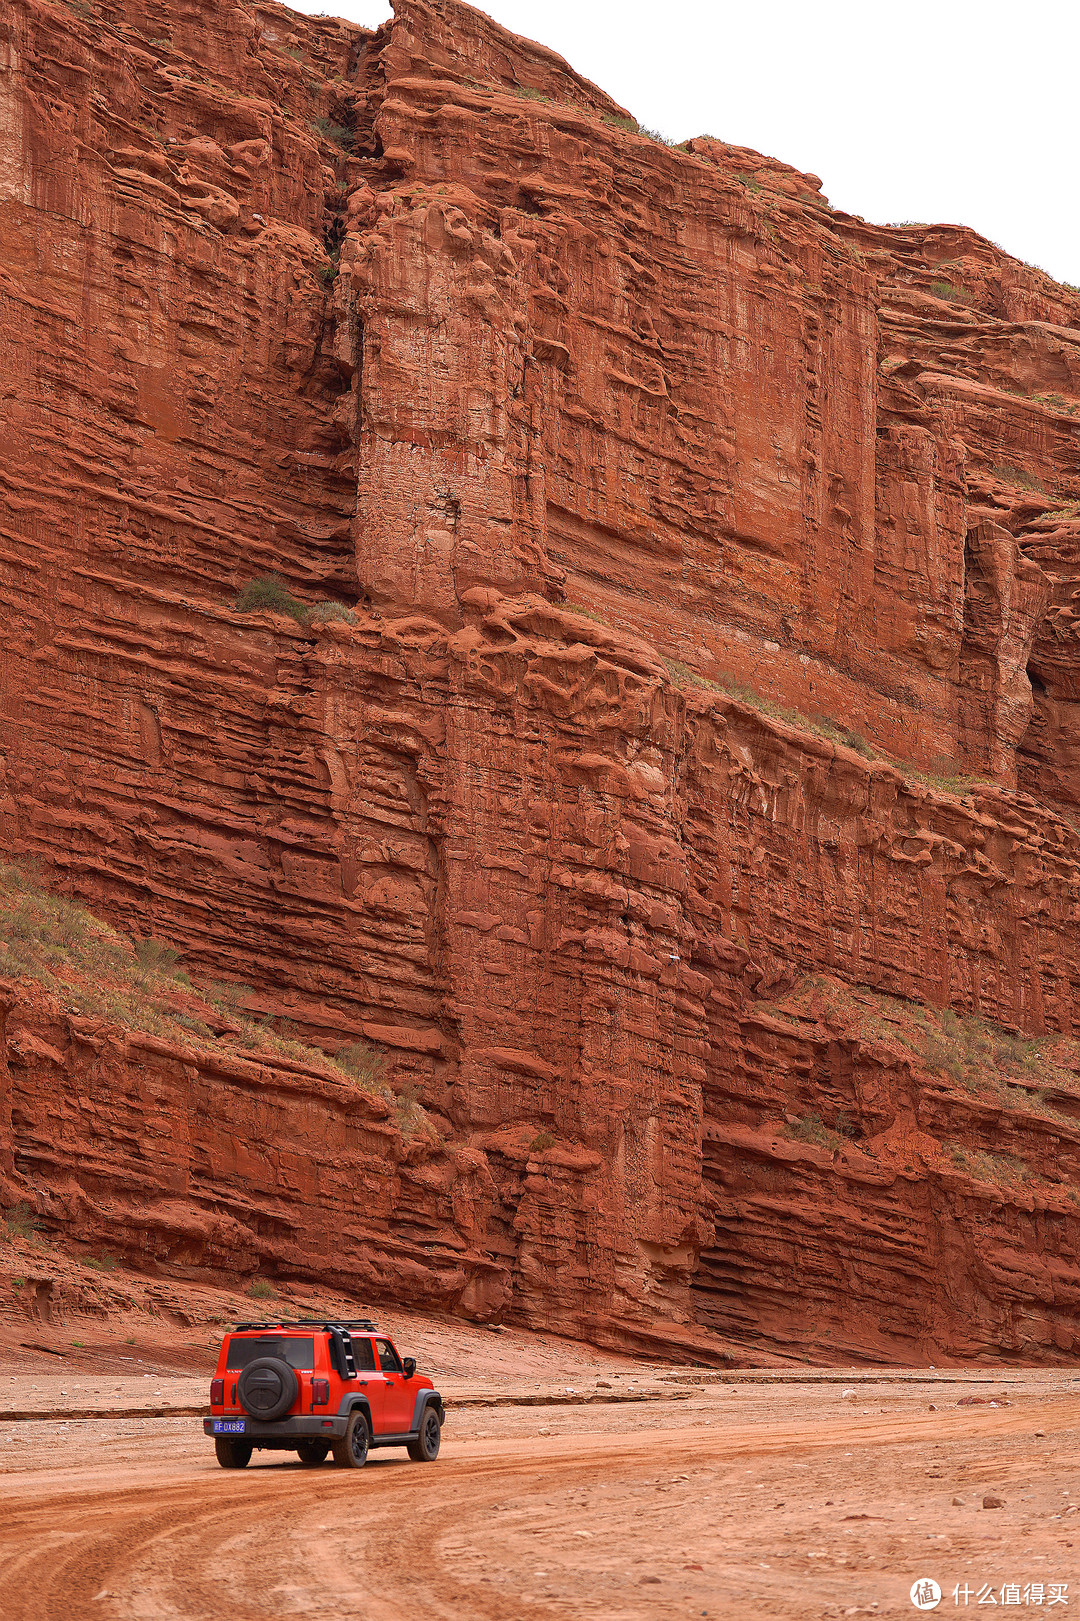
[(286, 1431)]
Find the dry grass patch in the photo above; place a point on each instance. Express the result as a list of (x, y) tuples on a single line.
[(92, 968), (994, 1064)]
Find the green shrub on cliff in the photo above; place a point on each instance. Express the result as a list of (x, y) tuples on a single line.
[(978, 1053), (1008, 474), (364, 1063), (810, 1128), (659, 137), (156, 954), (995, 1169), (950, 294), (100, 1263), (269, 594), (585, 613), (20, 1221), (630, 126), (336, 134), (325, 612)]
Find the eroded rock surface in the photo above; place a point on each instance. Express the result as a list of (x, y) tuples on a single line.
[(696, 540)]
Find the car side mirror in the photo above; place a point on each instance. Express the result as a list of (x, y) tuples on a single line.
[(409, 1365)]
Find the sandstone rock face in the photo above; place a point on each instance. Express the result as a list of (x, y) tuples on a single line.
[(697, 539), (195, 1164)]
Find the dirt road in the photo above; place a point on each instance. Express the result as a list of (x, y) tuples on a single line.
[(789, 1499)]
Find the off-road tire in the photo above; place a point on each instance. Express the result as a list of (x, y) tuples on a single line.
[(312, 1452), (232, 1454), (425, 1449), (352, 1450)]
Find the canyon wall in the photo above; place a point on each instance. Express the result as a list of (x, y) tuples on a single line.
[(224, 1164), (701, 571)]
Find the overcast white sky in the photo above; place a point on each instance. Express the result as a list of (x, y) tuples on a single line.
[(963, 111)]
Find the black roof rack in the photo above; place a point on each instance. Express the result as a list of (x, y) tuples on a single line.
[(364, 1323)]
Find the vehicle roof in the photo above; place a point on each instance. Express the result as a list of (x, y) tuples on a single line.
[(320, 1324)]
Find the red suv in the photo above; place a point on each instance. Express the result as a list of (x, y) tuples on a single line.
[(315, 1387)]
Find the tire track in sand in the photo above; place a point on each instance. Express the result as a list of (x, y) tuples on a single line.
[(209, 1546)]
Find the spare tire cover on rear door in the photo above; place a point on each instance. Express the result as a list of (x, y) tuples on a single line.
[(267, 1388)]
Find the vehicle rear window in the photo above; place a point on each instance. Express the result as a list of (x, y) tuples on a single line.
[(297, 1351)]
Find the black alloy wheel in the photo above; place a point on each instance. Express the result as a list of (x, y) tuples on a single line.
[(352, 1451), (425, 1449)]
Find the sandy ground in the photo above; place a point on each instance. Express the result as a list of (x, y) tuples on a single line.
[(572, 1483), (756, 1498)]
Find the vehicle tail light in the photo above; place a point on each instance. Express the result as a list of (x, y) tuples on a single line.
[(217, 1392), (320, 1392)]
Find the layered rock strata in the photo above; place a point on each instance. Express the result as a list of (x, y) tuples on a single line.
[(689, 542), (218, 1163)]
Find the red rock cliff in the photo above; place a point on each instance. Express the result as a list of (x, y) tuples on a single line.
[(710, 560)]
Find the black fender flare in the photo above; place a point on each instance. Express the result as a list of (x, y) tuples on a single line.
[(352, 1403), (424, 1400)]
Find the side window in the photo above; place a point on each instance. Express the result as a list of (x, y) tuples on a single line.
[(363, 1355), (388, 1360)]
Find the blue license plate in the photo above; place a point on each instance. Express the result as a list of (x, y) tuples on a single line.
[(229, 1426)]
